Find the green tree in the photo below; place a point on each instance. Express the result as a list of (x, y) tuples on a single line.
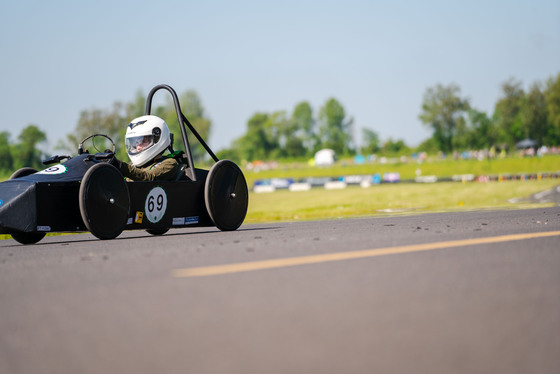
[(304, 132), (233, 153), (111, 122), (255, 145), (394, 147), (482, 131), (370, 141), (507, 113), (266, 138), (444, 111), (335, 130), (534, 114), (462, 134), (294, 144), (278, 134), (6, 159), (429, 146), (27, 154), (552, 98)]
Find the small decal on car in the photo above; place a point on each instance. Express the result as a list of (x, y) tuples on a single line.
[(191, 220), (178, 221), (43, 228), (57, 169), (139, 217), (156, 204)]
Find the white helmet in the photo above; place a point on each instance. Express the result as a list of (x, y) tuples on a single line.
[(146, 137)]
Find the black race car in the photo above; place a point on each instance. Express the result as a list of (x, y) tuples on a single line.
[(87, 193)]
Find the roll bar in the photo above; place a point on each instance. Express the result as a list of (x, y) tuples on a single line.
[(183, 123)]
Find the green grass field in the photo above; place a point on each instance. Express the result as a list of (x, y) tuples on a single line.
[(390, 199), (386, 198)]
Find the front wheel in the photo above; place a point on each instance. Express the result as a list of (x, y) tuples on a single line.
[(104, 201), (23, 172)]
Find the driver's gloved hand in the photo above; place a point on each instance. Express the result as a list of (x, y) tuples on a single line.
[(115, 162)]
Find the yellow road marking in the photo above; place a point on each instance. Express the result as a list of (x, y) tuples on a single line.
[(340, 256)]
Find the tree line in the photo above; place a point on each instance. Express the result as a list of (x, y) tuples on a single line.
[(455, 124), (23, 152), (518, 115), (280, 135)]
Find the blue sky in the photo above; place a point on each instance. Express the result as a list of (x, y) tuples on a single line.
[(376, 57)]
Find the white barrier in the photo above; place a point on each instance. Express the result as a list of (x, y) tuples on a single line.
[(264, 189), (365, 184), (299, 187), (426, 179), (335, 185)]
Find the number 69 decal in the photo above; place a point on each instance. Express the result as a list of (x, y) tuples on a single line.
[(156, 204)]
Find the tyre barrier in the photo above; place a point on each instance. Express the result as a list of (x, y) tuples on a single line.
[(366, 181)]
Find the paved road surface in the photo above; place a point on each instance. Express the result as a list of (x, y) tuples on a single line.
[(475, 292)]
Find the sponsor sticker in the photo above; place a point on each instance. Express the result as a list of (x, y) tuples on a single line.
[(178, 221), (156, 204), (139, 217), (191, 220), (1, 202), (43, 228), (57, 169)]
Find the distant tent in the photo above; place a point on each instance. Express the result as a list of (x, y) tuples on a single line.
[(325, 157), (526, 143)]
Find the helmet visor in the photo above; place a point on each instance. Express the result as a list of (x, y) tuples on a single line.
[(137, 144)]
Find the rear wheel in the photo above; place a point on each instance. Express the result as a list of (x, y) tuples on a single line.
[(104, 201), (26, 237), (226, 195)]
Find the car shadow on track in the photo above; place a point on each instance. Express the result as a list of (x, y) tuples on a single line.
[(141, 235)]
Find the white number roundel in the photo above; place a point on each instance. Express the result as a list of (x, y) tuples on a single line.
[(156, 204), (57, 169)]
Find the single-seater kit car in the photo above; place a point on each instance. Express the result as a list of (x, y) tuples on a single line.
[(87, 193)]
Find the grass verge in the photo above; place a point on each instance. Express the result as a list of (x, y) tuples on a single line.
[(386, 199)]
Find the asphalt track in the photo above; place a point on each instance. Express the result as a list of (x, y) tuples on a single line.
[(470, 292)]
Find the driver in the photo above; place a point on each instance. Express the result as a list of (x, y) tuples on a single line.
[(146, 139)]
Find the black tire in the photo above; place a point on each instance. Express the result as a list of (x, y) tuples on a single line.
[(26, 237), (226, 195), (157, 232), (104, 201), (23, 172)]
